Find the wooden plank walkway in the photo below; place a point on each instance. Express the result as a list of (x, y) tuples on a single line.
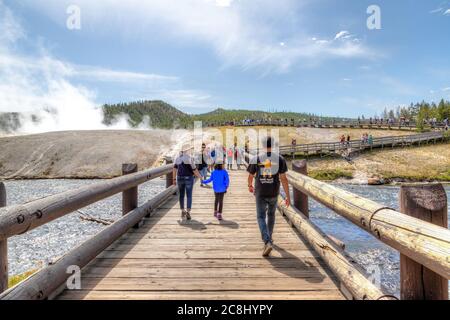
[(205, 259)]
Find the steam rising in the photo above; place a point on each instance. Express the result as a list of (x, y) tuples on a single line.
[(40, 92)]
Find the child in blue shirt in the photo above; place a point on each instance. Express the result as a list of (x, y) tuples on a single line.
[(221, 182)]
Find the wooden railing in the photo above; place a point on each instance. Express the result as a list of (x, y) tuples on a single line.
[(334, 147), (396, 125), (424, 245), (19, 219)]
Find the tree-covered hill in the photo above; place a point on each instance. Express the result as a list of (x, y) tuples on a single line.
[(158, 113), (163, 115), (223, 116)]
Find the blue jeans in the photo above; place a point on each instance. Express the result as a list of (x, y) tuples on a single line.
[(185, 187), (266, 207), (204, 173)]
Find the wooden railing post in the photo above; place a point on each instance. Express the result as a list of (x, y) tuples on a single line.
[(428, 203), (169, 176), (130, 196), (3, 247), (300, 198)]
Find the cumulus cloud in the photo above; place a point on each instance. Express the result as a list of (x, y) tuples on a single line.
[(247, 34)]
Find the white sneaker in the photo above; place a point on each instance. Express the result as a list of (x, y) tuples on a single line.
[(267, 249)]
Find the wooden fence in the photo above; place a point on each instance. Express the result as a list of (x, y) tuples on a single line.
[(424, 246), (355, 124), (358, 145), (418, 232), (19, 219)]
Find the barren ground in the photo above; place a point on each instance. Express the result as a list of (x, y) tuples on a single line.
[(82, 154)]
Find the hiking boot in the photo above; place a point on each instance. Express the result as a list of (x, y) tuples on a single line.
[(183, 214), (267, 249), (188, 215), (219, 216)]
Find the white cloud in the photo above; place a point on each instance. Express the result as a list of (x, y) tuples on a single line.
[(447, 13), (108, 75), (42, 85), (244, 35), (343, 35), (437, 10), (224, 3), (446, 89)]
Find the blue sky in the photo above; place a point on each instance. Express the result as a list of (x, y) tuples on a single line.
[(297, 55)]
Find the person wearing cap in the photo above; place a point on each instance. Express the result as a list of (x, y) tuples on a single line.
[(202, 164), (184, 170), (269, 170)]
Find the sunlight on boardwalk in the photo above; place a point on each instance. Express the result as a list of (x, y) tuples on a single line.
[(205, 259)]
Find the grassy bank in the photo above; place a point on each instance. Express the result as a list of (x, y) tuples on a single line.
[(12, 281), (427, 163), (313, 135), (330, 174)]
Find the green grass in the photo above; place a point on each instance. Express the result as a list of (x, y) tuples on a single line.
[(330, 175), (12, 281), (443, 177)]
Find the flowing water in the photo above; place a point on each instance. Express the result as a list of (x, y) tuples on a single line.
[(50, 241), (379, 260)]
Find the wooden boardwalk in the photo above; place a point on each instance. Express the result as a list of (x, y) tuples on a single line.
[(205, 259)]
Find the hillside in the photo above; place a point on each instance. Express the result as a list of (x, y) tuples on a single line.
[(163, 115), (156, 114), (219, 116)]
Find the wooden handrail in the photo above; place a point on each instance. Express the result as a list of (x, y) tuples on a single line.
[(19, 219), (45, 282), (421, 241), (346, 270), (358, 144)]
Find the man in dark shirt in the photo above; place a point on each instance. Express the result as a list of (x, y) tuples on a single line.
[(202, 164), (268, 169)]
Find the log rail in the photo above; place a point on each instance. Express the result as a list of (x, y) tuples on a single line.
[(351, 124), (19, 219), (358, 145), (424, 245)]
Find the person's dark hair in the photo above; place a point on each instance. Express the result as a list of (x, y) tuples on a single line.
[(268, 142), (218, 166)]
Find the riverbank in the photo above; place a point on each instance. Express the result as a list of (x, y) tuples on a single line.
[(412, 164)]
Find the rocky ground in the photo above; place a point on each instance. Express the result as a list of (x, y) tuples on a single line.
[(100, 154), (82, 154)]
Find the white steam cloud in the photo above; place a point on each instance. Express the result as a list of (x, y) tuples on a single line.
[(39, 87)]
